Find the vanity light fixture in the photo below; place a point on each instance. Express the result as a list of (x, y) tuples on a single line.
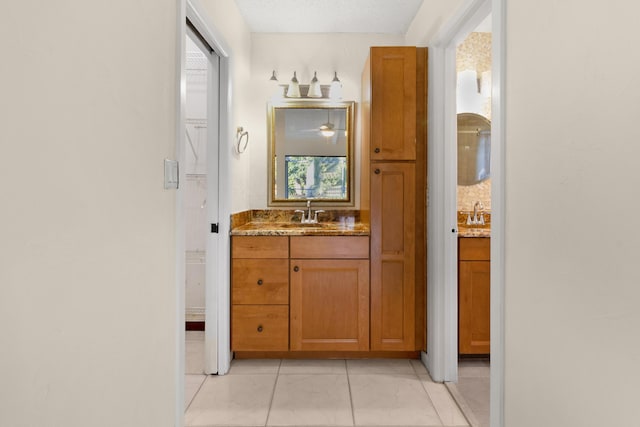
[(276, 89), (336, 87), (314, 88), (293, 91)]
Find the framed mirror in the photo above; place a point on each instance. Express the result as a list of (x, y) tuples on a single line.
[(311, 153), (474, 148)]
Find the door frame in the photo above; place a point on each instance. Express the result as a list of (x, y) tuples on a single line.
[(442, 310), (194, 11)]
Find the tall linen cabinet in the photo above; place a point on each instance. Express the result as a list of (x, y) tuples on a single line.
[(393, 194)]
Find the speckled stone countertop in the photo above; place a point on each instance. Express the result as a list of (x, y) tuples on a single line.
[(287, 223), (465, 230)]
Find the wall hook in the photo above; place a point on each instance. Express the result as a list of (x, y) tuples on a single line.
[(241, 135)]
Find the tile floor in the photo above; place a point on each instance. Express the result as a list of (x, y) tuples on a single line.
[(380, 392), (472, 390)]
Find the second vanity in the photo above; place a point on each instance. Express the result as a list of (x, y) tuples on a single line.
[(474, 290)]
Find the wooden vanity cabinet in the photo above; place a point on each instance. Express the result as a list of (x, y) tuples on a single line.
[(393, 278), (329, 308), (260, 293), (474, 293), (393, 100), (393, 193)]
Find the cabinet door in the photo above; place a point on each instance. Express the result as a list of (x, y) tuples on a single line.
[(393, 103), (329, 305), (393, 256), (474, 307)]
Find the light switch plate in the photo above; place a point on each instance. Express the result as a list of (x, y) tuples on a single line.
[(170, 174)]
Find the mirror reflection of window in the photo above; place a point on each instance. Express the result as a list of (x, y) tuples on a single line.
[(311, 152)]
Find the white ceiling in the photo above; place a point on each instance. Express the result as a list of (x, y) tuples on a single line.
[(329, 16)]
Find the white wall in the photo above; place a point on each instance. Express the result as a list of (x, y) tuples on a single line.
[(572, 280), (431, 15), (87, 246), (304, 53), (226, 19)]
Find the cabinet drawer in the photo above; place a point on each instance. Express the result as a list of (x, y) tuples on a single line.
[(260, 327), (260, 281), (474, 249), (349, 247), (260, 247)]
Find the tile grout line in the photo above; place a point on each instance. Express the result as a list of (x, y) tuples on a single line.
[(353, 412), (427, 392), (462, 404), (273, 393), (206, 377)]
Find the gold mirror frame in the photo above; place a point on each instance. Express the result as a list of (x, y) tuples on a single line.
[(272, 109)]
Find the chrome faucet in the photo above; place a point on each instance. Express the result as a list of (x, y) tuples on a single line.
[(312, 217), (478, 206)]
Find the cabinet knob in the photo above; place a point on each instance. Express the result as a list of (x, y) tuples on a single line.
[(377, 150), (377, 171), (259, 328), (296, 268), (259, 282)]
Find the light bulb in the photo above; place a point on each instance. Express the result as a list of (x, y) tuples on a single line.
[(293, 91)]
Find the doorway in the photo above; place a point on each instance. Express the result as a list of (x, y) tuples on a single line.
[(442, 356), (215, 207), (200, 202)]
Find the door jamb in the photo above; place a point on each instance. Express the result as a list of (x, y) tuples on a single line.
[(441, 359), (194, 11)]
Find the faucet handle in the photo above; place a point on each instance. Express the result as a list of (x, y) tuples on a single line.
[(302, 219), (315, 215)]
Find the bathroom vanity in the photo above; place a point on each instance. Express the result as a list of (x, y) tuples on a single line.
[(352, 283), (474, 293)]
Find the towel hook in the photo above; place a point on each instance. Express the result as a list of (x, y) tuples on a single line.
[(241, 135)]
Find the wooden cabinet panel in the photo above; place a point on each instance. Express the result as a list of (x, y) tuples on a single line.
[(260, 247), (393, 100), (474, 248), (474, 295), (330, 247), (393, 281), (260, 281), (260, 327), (330, 305)]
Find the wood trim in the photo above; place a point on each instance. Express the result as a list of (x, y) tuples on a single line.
[(421, 198), (327, 355)]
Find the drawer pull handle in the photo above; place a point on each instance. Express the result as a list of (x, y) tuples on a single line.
[(296, 268), (377, 171), (259, 282), (377, 150), (259, 328)]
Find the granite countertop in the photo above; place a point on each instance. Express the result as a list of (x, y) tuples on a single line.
[(281, 222), (258, 228), (465, 231)]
